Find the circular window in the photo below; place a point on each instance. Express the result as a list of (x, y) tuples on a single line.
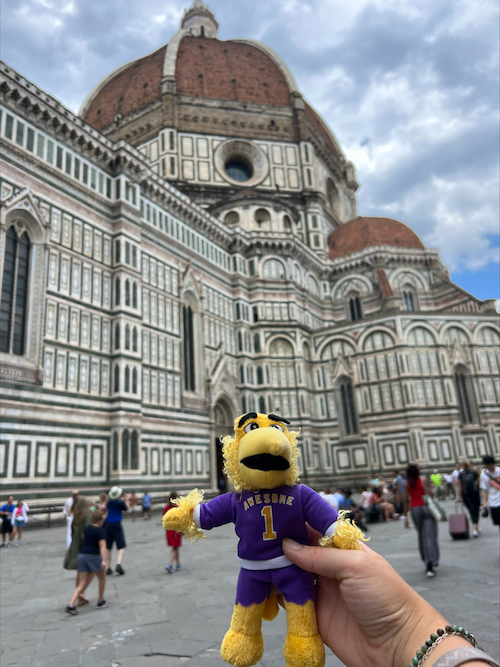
[(239, 170), (241, 162), (232, 218)]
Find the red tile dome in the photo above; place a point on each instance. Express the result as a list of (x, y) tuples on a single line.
[(361, 233)]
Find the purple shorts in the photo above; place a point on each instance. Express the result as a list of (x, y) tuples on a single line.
[(254, 586)]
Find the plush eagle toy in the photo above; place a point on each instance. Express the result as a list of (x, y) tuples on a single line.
[(267, 505)]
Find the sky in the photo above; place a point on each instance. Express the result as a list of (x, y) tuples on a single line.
[(410, 90)]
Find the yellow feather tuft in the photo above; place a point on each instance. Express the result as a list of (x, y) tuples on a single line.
[(347, 534), (181, 517)]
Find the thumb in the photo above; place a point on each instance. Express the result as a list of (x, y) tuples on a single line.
[(329, 562)]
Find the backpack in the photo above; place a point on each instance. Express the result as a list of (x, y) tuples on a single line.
[(469, 482)]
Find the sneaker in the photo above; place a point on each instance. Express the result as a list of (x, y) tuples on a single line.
[(71, 610), (431, 574), (9, 544), (17, 544), (109, 571), (169, 568), (120, 569), (102, 603), (475, 533), (178, 567), (2, 545)]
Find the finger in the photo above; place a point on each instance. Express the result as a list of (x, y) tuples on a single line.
[(333, 563)]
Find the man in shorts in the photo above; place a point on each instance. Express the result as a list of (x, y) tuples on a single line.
[(490, 487), (147, 500), (6, 512), (113, 527)]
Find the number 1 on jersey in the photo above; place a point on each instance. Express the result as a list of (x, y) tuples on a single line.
[(267, 513)]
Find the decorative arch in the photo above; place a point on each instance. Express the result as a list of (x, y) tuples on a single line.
[(420, 335), (312, 285), (336, 347), (485, 334), (456, 332), (356, 283), (281, 347), (410, 276), (297, 274), (273, 268), (376, 339)]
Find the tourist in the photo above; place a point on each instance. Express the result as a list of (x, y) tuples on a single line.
[(113, 527), (388, 503), (468, 493), (101, 504), (384, 621), (416, 487), (147, 500), (399, 489), (132, 501), (330, 498), (449, 487), (354, 512), (174, 539), (69, 518), (91, 561), (5, 513), (490, 486), (18, 518), (437, 481), (81, 519)]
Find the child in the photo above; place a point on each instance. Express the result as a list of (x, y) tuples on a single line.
[(174, 539), (19, 519), (91, 560)]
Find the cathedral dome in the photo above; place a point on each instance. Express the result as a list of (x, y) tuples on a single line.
[(362, 232)]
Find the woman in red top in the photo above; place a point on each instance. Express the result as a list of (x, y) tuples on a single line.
[(416, 488), (174, 539)]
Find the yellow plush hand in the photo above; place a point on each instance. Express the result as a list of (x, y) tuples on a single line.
[(180, 518), (347, 535)]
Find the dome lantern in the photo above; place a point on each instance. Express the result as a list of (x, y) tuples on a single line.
[(199, 21)]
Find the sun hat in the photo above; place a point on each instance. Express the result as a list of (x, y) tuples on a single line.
[(115, 492)]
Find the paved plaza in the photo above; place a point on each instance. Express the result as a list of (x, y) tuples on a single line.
[(157, 619)]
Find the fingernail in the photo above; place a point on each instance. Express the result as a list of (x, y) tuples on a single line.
[(291, 544)]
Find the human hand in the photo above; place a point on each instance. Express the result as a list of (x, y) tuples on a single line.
[(366, 613), (103, 564)]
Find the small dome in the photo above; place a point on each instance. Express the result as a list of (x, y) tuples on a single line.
[(361, 233)]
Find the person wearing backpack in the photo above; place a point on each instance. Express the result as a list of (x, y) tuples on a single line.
[(468, 493), (490, 486)]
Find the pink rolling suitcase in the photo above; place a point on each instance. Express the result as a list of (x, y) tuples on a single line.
[(459, 525)]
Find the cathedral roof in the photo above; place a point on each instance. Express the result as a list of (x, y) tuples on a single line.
[(361, 233)]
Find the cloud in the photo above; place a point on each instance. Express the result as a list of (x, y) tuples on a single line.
[(409, 89)]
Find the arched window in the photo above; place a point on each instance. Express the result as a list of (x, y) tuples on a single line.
[(262, 405), (240, 342), (14, 293), (251, 403), (134, 339), (242, 374), (409, 301), (134, 451), (127, 292), (125, 452), (256, 342), (189, 360), (260, 378), (117, 379), (465, 395), (117, 335), (134, 381), (134, 295), (115, 451), (262, 216), (117, 292), (127, 378), (243, 404), (127, 337), (347, 407), (232, 218), (287, 224), (273, 268), (354, 308), (250, 374)]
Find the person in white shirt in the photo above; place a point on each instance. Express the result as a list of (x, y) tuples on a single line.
[(330, 498), (68, 513), (490, 487)]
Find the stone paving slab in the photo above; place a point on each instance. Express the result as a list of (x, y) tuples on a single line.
[(156, 619)]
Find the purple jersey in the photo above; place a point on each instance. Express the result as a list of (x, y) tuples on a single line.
[(263, 518)]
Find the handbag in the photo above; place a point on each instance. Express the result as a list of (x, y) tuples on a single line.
[(485, 513), (435, 508)]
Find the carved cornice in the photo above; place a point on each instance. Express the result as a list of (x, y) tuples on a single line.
[(384, 256)]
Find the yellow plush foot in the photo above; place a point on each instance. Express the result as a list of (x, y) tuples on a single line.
[(242, 650), (304, 651)]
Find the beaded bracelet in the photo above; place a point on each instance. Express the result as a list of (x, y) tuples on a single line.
[(436, 638)]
